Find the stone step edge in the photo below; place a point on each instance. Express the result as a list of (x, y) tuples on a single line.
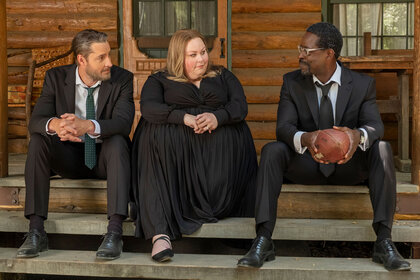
[(197, 266), (18, 181), (236, 228)]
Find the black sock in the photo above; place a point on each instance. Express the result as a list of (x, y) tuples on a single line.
[(383, 232), (36, 222), (115, 223), (262, 230)]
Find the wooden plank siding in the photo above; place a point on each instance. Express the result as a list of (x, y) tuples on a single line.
[(50, 23), (265, 35)]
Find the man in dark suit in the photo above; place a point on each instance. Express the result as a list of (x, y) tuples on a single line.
[(322, 95), (79, 129)]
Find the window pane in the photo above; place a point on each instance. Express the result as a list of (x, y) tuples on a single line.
[(149, 18), (392, 43), (411, 43), (176, 16), (395, 19), (370, 18), (411, 19), (344, 18), (203, 17), (349, 46)]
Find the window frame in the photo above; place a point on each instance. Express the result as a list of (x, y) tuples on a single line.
[(327, 15)]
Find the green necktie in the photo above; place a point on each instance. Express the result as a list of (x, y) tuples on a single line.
[(90, 144)]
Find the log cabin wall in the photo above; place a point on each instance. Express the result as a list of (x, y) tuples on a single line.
[(48, 23), (265, 35)]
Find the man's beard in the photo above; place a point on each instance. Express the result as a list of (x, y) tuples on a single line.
[(305, 68), (101, 76)]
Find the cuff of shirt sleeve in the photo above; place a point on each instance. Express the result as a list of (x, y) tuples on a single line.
[(176, 116), (296, 142), (365, 145), (46, 127), (222, 116), (97, 132)]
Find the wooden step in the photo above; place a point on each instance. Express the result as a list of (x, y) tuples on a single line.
[(198, 266), (274, 21), (295, 201), (236, 228)]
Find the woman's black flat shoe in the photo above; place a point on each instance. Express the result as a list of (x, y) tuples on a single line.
[(164, 255)]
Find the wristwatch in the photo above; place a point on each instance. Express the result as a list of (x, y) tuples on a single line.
[(362, 137)]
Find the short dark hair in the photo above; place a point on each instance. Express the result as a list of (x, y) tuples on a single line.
[(329, 36), (83, 40)]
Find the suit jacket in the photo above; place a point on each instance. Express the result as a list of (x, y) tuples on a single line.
[(115, 108), (356, 107)]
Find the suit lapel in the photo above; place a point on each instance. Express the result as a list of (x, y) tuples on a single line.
[(343, 95), (104, 92), (70, 89), (311, 97)]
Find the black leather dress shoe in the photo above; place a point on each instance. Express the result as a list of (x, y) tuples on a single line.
[(35, 242), (384, 252), (111, 247), (262, 250)]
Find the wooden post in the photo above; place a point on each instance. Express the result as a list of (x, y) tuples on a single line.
[(415, 167), (3, 91), (367, 44)]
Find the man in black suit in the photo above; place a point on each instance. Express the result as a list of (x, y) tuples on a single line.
[(322, 95), (79, 129)]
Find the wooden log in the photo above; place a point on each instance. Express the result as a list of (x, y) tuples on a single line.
[(16, 113), (18, 146), (274, 21), (263, 130), (283, 6), (19, 40), (265, 40), (21, 59), (415, 144), (17, 80), (62, 22), (265, 59), (61, 6), (261, 76), (262, 94), (262, 112), (3, 92), (17, 128)]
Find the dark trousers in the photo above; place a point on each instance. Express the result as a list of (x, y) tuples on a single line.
[(279, 162), (47, 155)]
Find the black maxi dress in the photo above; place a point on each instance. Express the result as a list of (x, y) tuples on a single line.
[(182, 179)]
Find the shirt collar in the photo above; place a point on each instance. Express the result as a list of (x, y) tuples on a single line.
[(81, 83), (336, 77)]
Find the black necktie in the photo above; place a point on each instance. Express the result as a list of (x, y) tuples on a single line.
[(90, 144), (326, 120)]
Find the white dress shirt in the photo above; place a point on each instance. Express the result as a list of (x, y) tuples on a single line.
[(332, 94), (80, 104)]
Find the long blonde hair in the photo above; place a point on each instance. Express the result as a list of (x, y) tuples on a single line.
[(176, 55)]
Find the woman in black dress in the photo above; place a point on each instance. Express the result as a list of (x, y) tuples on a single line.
[(194, 159)]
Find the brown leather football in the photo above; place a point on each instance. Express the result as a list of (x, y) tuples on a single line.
[(332, 145)]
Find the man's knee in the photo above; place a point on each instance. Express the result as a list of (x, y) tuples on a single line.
[(275, 150), (116, 144), (38, 143)]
